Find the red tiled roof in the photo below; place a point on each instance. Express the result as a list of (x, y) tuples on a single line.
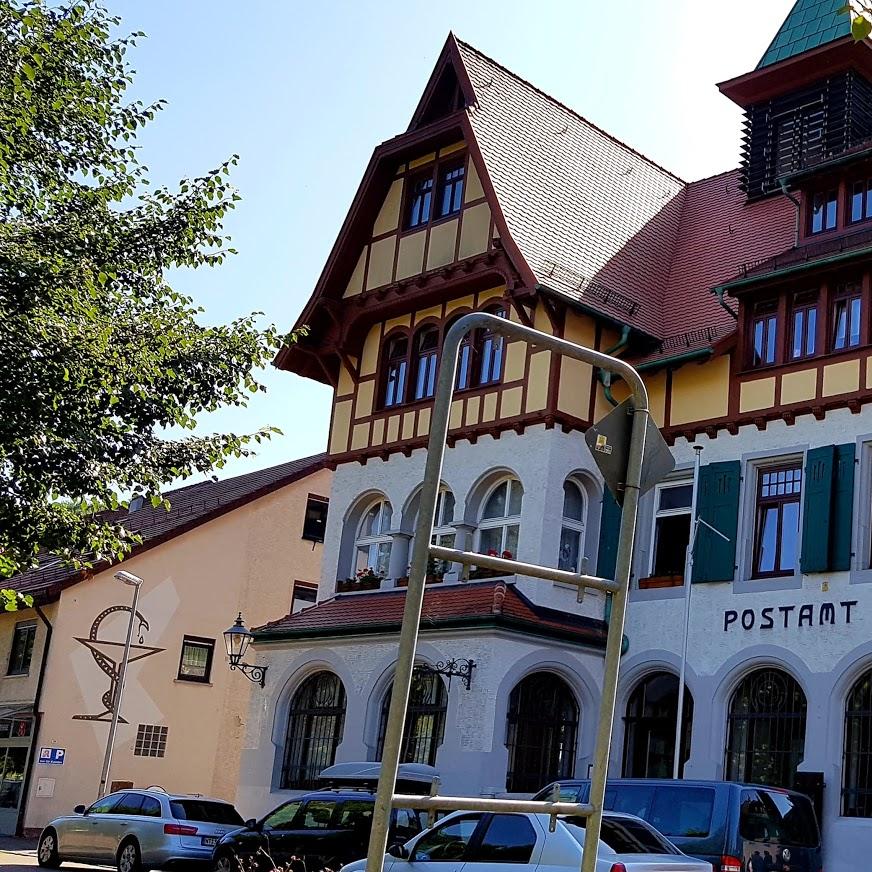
[(601, 224), (594, 219), (719, 231), (190, 506), (492, 602)]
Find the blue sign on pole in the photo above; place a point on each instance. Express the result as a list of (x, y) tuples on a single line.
[(52, 755)]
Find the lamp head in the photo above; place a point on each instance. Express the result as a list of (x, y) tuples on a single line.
[(128, 578), (236, 641)]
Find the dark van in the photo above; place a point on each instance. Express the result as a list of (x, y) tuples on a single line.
[(735, 827)]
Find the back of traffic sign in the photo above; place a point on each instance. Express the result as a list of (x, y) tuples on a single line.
[(609, 443)]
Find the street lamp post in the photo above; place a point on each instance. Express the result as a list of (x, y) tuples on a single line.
[(135, 582)]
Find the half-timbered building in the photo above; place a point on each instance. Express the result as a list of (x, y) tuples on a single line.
[(744, 299)]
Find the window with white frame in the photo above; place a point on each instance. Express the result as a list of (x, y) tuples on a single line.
[(671, 533), (372, 548), (572, 528), (500, 522)]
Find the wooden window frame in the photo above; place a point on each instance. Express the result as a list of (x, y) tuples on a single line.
[(802, 304), (828, 195), (847, 291), (434, 173), (676, 580), (417, 357), (765, 312), (761, 504), (866, 206), (197, 642), (387, 362), (443, 183)]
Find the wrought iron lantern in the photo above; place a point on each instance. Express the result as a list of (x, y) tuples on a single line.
[(453, 668), (236, 641)]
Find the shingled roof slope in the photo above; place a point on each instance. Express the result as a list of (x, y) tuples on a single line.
[(594, 219), (190, 506), (720, 231), (493, 602)]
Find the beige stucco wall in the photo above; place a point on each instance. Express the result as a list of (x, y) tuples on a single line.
[(21, 689), (246, 560)]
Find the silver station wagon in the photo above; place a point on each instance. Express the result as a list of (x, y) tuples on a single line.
[(137, 830)]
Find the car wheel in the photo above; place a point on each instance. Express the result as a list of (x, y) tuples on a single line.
[(47, 850), (225, 862), (129, 858)]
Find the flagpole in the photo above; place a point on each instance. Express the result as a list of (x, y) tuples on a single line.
[(688, 571)]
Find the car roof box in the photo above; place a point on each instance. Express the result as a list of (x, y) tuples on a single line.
[(415, 778)]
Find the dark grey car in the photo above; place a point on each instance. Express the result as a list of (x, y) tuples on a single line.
[(137, 830)]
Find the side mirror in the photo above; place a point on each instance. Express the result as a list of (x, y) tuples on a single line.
[(399, 851), (252, 824), (79, 809)]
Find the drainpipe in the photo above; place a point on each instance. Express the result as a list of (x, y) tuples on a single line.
[(37, 722), (724, 304), (604, 377), (795, 203)]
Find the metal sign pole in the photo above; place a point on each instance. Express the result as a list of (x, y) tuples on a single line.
[(688, 582), (385, 798)]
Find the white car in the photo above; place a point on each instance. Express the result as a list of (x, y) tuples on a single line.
[(483, 842)]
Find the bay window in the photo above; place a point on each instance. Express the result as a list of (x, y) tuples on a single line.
[(572, 528), (372, 547), (500, 523)]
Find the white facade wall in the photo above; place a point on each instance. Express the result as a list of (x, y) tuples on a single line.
[(824, 658)]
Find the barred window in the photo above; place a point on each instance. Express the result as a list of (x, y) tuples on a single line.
[(151, 741), (857, 768), (424, 729), (315, 724)]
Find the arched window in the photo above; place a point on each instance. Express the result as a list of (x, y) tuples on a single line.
[(766, 735), (426, 359), (372, 547), (490, 347), (857, 769), (542, 732), (443, 531), (315, 725), (396, 367), (425, 719), (649, 731), (465, 355), (500, 522), (572, 529)]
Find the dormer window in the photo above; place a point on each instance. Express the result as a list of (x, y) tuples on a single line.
[(824, 211), (420, 201), (861, 200), (450, 190)]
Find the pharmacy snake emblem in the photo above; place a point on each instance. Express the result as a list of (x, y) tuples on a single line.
[(108, 654)]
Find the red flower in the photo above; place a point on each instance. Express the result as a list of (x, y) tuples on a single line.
[(491, 552), (507, 555)]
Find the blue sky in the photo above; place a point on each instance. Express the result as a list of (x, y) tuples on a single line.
[(304, 91)]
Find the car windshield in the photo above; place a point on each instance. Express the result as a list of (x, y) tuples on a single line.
[(624, 836), (205, 811)]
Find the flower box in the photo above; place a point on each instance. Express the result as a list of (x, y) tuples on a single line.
[(431, 579), (351, 585), (657, 581)]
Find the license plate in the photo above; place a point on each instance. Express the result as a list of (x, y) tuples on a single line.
[(210, 841)]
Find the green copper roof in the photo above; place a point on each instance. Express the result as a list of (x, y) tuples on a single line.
[(810, 23)]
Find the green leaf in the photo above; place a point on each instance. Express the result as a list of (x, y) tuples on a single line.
[(29, 71), (861, 27)]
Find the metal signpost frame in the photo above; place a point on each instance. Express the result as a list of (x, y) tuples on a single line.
[(385, 798)]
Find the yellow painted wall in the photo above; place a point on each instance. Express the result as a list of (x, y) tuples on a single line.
[(355, 283), (537, 381), (194, 584), (474, 190), (381, 262), (757, 394), (798, 386), (443, 238), (410, 261), (700, 392), (474, 234), (341, 423), (388, 218), (841, 378)]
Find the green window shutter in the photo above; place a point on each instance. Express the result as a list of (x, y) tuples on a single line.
[(717, 503), (817, 509), (842, 507), (610, 527)]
